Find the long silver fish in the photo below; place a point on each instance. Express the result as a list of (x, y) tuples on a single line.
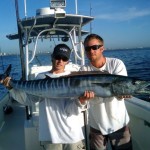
[(104, 85)]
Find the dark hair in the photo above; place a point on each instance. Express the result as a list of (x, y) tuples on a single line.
[(92, 36)]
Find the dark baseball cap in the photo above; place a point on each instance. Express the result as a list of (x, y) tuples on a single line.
[(61, 50)]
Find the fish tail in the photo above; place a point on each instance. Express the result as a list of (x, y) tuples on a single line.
[(6, 73)]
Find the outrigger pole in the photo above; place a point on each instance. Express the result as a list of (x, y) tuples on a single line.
[(20, 39), (21, 52)]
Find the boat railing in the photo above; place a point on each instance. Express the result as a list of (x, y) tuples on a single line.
[(57, 29)]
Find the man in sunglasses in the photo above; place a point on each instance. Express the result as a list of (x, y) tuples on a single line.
[(108, 117), (59, 119)]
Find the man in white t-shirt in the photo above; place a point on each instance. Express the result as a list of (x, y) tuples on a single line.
[(59, 119), (108, 117)]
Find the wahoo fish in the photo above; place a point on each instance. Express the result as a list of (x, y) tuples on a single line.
[(74, 85)]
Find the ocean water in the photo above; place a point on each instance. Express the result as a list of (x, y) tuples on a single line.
[(137, 62)]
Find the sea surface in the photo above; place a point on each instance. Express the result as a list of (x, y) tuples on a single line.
[(137, 62)]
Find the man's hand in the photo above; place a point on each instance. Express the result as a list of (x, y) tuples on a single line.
[(6, 81), (86, 97)]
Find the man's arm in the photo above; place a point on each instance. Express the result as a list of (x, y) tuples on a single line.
[(18, 95)]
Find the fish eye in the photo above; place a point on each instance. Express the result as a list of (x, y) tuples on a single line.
[(134, 82), (148, 86)]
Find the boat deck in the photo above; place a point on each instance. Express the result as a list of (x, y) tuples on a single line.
[(12, 134), (14, 125)]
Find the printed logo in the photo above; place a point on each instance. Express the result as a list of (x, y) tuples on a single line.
[(63, 49)]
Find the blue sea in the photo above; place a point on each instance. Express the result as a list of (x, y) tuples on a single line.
[(137, 62)]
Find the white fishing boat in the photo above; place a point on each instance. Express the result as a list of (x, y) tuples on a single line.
[(19, 129)]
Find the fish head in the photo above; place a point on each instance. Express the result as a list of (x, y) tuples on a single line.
[(142, 87), (123, 86), (130, 86)]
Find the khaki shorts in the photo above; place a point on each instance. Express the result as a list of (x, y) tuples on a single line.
[(73, 146)]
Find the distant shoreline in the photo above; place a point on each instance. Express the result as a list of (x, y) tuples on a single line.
[(139, 48), (107, 49)]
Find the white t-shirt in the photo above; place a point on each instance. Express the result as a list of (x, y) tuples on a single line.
[(59, 119), (108, 114)]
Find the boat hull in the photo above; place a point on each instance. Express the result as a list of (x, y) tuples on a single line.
[(4, 100), (139, 112)]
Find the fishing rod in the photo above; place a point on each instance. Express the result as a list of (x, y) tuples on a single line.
[(2, 64)]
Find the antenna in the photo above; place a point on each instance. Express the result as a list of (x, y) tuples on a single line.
[(76, 6), (90, 15), (25, 8)]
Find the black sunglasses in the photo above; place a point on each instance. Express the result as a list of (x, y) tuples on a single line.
[(93, 47), (63, 58)]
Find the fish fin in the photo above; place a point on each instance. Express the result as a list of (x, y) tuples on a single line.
[(6, 73), (47, 77), (80, 73)]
